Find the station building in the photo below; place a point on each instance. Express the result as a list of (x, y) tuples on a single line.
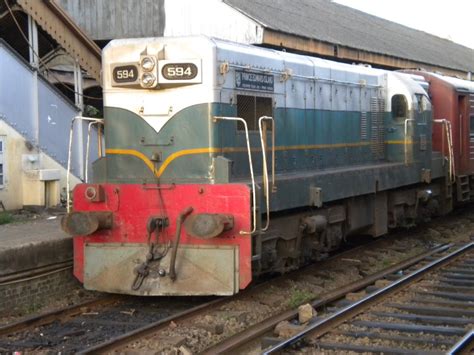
[(50, 66)]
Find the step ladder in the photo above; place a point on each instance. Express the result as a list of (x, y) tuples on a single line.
[(471, 184), (463, 190)]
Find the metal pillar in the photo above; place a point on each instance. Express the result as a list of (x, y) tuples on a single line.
[(33, 42), (34, 62), (78, 81), (79, 101)]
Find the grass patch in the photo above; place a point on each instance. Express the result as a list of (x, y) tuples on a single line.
[(298, 297), (5, 218), (386, 263)]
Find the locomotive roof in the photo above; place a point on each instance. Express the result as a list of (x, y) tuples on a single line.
[(295, 60), (355, 29), (456, 83), (459, 83)]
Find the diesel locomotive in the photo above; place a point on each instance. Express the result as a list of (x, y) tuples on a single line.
[(225, 161)]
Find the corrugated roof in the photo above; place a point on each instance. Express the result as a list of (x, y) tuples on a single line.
[(326, 21)]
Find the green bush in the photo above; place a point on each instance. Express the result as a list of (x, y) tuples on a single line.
[(5, 218), (299, 297)]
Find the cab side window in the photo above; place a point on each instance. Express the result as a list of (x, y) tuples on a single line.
[(399, 107)]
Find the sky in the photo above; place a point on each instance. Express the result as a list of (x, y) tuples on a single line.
[(453, 19)]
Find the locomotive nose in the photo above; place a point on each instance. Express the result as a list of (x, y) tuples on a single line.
[(86, 223)]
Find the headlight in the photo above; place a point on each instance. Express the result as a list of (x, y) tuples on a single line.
[(147, 64), (148, 79), (90, 193)]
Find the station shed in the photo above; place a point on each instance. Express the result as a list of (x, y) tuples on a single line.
[(316, 27)]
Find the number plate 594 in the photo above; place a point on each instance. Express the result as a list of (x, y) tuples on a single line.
[(125, 74), (179, 71)]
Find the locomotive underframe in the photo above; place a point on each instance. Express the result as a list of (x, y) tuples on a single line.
[(299, 237)]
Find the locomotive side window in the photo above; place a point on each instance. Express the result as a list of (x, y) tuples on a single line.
[(251, 108), (399, 107)]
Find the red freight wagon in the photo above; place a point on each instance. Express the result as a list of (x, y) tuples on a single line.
[(453, 100)]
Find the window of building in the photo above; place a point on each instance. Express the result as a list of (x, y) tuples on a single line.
[(251, 108), (399, 107), (2, 166)]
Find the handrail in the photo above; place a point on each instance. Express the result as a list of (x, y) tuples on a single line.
[(447, 128), (86, 168), (68, 173), (406, 139), (264, 168), (254, 198)]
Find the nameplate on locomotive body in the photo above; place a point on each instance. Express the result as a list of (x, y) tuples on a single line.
[(254, 81)]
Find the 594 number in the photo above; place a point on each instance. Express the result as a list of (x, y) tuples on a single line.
[(126, 73), (179, 71)]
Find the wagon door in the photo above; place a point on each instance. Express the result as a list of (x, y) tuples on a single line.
[(464, 134), (471, 133)]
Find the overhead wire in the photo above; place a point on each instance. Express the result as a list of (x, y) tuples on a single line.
[(49, 71)]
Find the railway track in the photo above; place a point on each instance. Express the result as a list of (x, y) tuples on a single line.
[(75, 327), (153, 334), (116, 323), (427, 309)]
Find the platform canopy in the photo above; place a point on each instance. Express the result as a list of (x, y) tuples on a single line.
[(336, 30)]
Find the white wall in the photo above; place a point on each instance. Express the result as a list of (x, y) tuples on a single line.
[(27, 172), (212, 18)]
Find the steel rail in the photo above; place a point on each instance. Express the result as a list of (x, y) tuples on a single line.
[(36, 272), (151, 328), (323, 326), (49, 317), (464, 345), (255, 331)]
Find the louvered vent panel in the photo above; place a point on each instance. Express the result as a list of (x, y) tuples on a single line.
[(377, 137), (363, 126), (471, 122)]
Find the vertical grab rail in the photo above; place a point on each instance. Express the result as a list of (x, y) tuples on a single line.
[(265, 169), (447, 128), (406, 139), (89, 128), (68, 173), (254, 197)]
